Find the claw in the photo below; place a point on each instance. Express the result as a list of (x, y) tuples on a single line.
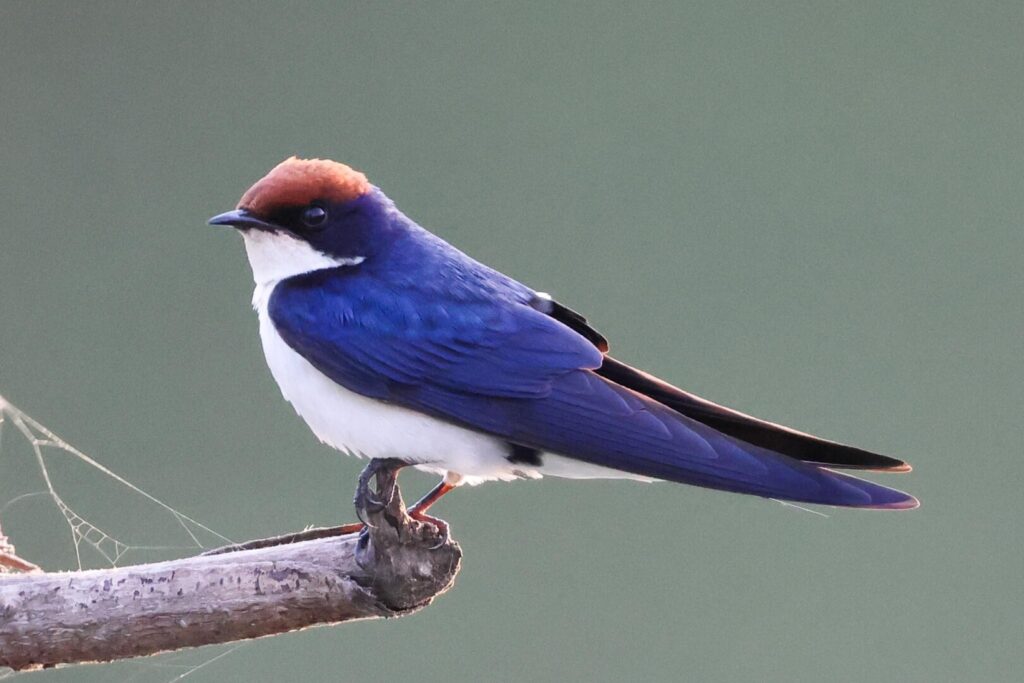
[(364, 541), (372, 503), (445, 536), (392, 491), (365, 498), (441, 526), (419, 510), (359, 515), (369, 500)]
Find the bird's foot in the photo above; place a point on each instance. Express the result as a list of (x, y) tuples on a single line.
[(444, 534), (368, 500), (419, 509), (379, 501)]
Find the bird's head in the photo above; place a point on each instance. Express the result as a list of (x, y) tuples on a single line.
[(308, 214)]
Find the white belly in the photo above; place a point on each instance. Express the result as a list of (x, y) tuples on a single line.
[(370, 428)]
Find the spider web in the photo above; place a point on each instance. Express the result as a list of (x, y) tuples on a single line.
[(45, 444), (92, 540)]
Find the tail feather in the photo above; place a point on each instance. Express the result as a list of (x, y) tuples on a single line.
[(762, 433), (592, 419)]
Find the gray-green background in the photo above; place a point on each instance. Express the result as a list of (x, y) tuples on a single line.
[(810, 211)]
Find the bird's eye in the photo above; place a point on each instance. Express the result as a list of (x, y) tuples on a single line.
[(314, 216)]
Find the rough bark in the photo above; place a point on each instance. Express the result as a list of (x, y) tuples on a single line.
[(394, 568)]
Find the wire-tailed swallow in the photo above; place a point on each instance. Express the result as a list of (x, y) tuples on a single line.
[(391, 343)]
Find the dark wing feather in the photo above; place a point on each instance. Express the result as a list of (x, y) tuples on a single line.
[(774, 437)]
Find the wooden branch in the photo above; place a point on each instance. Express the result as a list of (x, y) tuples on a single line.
[(394, 568)]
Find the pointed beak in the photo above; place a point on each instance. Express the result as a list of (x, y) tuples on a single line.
[(241, 219)]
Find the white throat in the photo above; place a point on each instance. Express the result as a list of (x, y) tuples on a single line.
[(275, 256)]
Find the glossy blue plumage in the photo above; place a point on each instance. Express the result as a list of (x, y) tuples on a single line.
[(423, 326)]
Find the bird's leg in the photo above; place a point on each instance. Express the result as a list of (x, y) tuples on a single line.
[(366, 498), (385, 470), (419, 509), (450, 481)]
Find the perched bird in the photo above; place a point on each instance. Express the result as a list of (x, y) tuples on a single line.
[(392, 344)]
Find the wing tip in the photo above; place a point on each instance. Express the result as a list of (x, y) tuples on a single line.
[(884, 498), (908, 502), (863, 494)]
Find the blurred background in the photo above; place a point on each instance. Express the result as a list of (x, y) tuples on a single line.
[(808, 211)]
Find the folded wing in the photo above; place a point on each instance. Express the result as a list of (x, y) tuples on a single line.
[(508, 369), (774, 437)]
